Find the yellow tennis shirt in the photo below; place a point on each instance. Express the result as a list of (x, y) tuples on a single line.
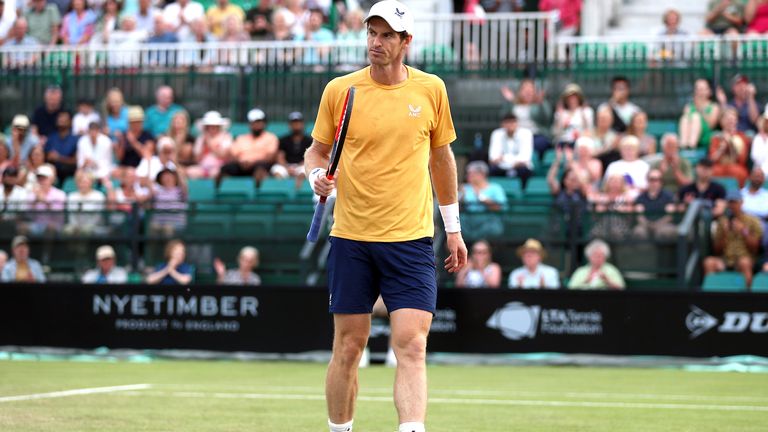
[(384, 188)]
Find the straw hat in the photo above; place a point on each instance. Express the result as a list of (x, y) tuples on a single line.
[(532, 245), (213, 118)]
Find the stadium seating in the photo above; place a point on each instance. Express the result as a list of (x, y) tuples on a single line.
[(760, 282), (242, 188), (201, 189), (729, 183), (724, 282)]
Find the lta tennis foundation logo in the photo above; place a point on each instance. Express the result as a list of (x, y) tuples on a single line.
[(517, 320), (699, 322)]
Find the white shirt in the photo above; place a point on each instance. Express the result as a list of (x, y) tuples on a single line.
[(575, 124), (533, 280), (99, 152), (7, 19), (637, 171), (93, 201), (81, 122), (117, 275), (755, 204), (192, 11), (152, 168), (759, 152), (15, 200), (512, 150)]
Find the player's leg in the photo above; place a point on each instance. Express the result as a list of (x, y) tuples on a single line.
[(349, 340), (409, 340)]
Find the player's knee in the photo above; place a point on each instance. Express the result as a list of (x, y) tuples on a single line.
[(412, 349), (349, 348)]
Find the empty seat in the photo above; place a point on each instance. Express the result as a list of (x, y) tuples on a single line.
[(760, 282), (237, 188), (724, 282), (201, 189)]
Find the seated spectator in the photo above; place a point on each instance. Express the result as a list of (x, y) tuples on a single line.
[(164, 34), (634, 170), (614, 202), (569, 191), (108, 21), (198, 33), (86, 114), (584, 164), (158, 116), (247, 261), (483, 202), (219, 12), (129, 192), (570, 15), (671, 20), (699, 117), (258, 20), (181, 135), (638, 127), (480, 271), (28, 172), (533, 274), (3, 262), (755, 201), (296, 14), (44, 117), (174, 271), (44, 20), (169, 201), (106, 271), (533, 112), (759, 150), (145, 16), (724, 17), (606, 140), (152, 165), (352, 27), (654, 207), (598, 274), (211, 147), (85, 206), (315, 32), (676, 171), (136, 142), (573, 117), (78, 26), (22, 268), (282, 29), (12, 196), (21, 142), (18, 37), (180, 13), (736, 241), (115, 113), (729, 150), (94, 153), (756, 16), (743, 102), (703, 188), (233, 32), (621, 107), (125, 43), (290, 155), (510, 152), (61, 147)]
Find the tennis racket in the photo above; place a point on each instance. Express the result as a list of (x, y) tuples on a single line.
[(333, 163)]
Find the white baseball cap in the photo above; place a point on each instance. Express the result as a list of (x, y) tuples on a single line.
[(104, 252), (396, 14)]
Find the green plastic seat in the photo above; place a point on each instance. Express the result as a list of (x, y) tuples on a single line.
[(760, 282), (277, 189), (237, 188), (512, 186), (724, 282), (201, 189), (729, 183)]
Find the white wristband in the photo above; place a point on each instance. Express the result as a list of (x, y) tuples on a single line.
[(450, 214), (314, 175)]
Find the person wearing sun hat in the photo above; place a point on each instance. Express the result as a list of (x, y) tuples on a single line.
[(22, 268), (106, 271), (212, 145), (533, 274), (573, 116)]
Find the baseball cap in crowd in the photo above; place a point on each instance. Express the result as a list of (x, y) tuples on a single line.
[(164, 142), (19, 240), (20, 121), (396, 14), (739, 78), (135, 113), (256, 115), (105, 252), (295, 116), (705, 162), (733, 195), (45, 171)]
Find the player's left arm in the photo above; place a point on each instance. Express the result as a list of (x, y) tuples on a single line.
[(443, 167)]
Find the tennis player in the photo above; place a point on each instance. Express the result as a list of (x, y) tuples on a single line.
[(381, 241)]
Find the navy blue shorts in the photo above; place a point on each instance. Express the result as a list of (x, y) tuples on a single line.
[(402, 272)]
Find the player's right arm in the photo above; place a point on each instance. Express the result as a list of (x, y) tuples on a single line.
[(316, 160)]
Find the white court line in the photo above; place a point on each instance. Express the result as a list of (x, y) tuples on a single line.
[(518, 393), (463, 401), (75, 392)]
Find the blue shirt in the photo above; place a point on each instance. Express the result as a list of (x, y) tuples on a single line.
[(35, 269), (119, 123), (65, 146), (157, 122), (493, 191), (183, 268), (30, 141)]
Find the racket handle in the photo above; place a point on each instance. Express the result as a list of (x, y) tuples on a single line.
[(317, 220)]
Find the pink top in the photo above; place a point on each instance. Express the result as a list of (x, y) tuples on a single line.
[(760, 21), (570, 10)]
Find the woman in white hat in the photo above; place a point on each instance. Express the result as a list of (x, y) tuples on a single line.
[(211, 147)]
